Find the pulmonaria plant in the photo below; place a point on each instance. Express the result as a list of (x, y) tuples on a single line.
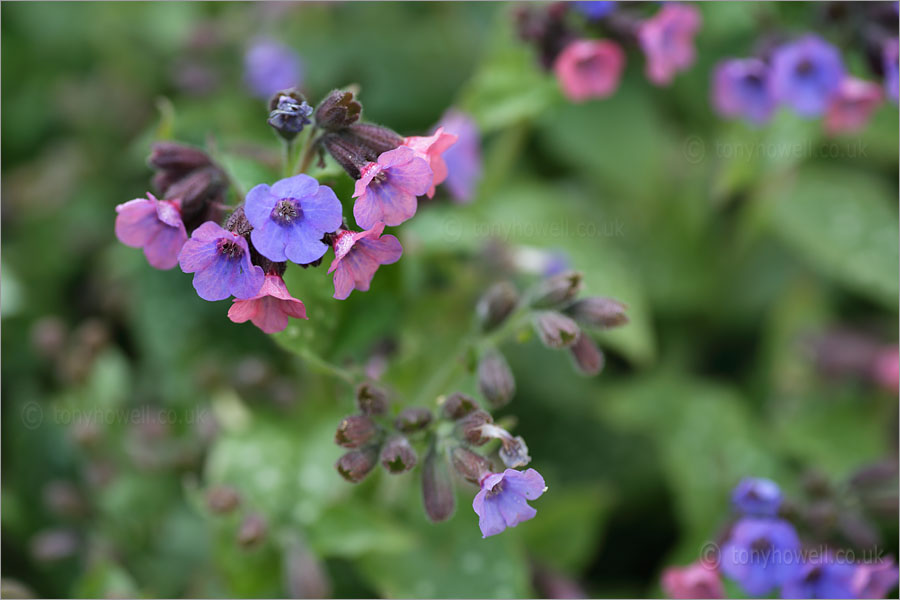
[(295, 219), (451, 433)]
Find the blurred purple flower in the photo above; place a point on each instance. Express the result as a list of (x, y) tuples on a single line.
[(387, 189), (874, 580), (594, 9), (885, 371), (761, 554), (220, 261), (755, 496), (154, 225), (850, 108), (463, 159), (806, 74), (696, 580), (290, 218), (270, 66), (891, 68), (667, 39), (741, 89), (357, 255), (501, 503), (821, 577)]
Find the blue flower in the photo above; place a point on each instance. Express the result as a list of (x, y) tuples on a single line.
[(501, 503), (741, 89), (290, 218), (755, 496), (761, 554), (891, 70), (806, 74), (220, 261), (594, 9), (821, 577)]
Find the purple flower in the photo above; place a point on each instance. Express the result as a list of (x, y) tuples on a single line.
[(357, 255), (761, 554), (270, 67), (501, 503), (757, 497), (387, 189), (290, 218), (821, 577), (667, 39), (805, 74), (891, 75), (154, 225), (220, 261), (594, 9), (874, 580), (463, 159), (741, 89)]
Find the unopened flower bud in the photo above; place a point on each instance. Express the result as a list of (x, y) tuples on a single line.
[(371, 399), (354, 431), (196, 190), (588, 357), (413, 419), (556, 330), (252, 530), (496, 305), (347, 152), (557, 290), (397, 455), (239, 223), (598, 312), (376, 138), (470, 465), (355, 465), (437, 487), (222, 499), (289, 114), (471, 426), (177, 157), (304, 574), (337, 111), (495, 379), (457, 405), (514, 451)]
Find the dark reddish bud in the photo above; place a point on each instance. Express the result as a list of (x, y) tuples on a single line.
[(557, 290), (397, 455), (414, 418), (495, 379), (355, 465), (347, 152), (556, 330), (587, 356), (222, 499), (595, 311), (177, 157), (239, 223), (470, 465), (371, 399), (252, 531), (457, 405), (470, 427), (337, 111), (437, 487), (375, 138), (497, 303), (196, 190), (354, 431)]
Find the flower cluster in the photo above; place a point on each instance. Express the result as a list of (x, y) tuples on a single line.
[(451, 435), (808, 75), (295, 219), (582, 42), (763, 552)]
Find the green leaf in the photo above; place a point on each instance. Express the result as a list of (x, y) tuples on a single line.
[(845, 223), (352, 529)]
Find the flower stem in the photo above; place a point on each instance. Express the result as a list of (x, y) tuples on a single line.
[(286, 159), (323, 366), (309, 151)]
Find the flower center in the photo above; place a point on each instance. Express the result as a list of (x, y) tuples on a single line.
[(287, 211), (343, 243), (805, 68), (498, 487), (229, 249)]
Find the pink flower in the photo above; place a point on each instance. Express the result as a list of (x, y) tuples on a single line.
[(386, 191), (852, 105), (667, 39), (696, 580), (357, 255), (270, 308), (589, 69), (154, 225), (886, 369), (875, 580), (431, 148)]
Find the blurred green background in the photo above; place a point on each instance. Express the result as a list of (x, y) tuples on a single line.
[(731, 246)]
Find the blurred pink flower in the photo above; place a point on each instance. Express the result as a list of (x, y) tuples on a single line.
[(667, 39), (693, 581), (850, 108), (589, 69)]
